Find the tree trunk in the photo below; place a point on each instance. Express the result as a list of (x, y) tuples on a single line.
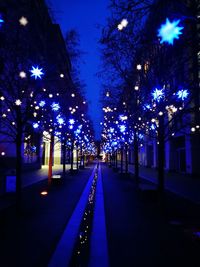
[(116, 159), (136, 161), (161, 155), (50, 172), (126, 159), (72, 157), (77, 158), (122, 160), (18, 172), (64, 157)]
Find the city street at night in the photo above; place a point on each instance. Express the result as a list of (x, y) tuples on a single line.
[(99, 133)]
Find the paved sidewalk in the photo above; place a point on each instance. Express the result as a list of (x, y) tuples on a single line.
[(140, 233), (29, 240), (182, 185), (28, 179)]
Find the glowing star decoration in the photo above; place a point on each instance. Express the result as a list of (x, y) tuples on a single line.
[(60, 120), (36, 72), (55, 106), (42, 103), (23, 21), (71, 121), (1, 20), (35, 125), (182, 94), (169, 31), (18, 102), (158, 94), (122, 128)]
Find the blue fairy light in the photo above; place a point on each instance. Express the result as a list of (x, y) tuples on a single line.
[(36, 72), (55, 106), (122, 128), (169, 31), (140, 136), (35, 125), (1, 20), (123, 118), (42, 103), (71, 127), (146, 106), (60, 120), (182, 94), (158, 94), (152, 127), (71, 121)]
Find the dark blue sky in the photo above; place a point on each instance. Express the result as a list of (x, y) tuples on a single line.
[(84, 16)]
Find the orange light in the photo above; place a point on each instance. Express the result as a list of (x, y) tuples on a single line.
[(44, 193)]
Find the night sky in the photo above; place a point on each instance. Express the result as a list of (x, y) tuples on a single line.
[(85, 16)]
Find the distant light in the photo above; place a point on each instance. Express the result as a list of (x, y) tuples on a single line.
[(71, 127), (3, 153), (1, 20), (22, 74), (60, 120), (119, 27), (42, 104), (35, 125), (50, 95), (122, 128), (139, 67), (18, 102), (2, 98), (136, 88), (62, 75), (71, 121), (44, 193), (23, 21), (55, 106), (160, 113), (124, 22), (72, 95), (182, 94), (158, 94), (193, 129), (169, 31), (36, 72)]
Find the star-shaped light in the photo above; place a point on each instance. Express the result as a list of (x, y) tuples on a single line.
[(182, 94), (18, 102), (169, 31), (55, 106), (23, 21), (71, 121), (42, 103), (158, 94), (60, 120), (36, 72)]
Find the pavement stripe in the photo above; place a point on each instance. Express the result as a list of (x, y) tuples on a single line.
[(62, 255), (99, 245)]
